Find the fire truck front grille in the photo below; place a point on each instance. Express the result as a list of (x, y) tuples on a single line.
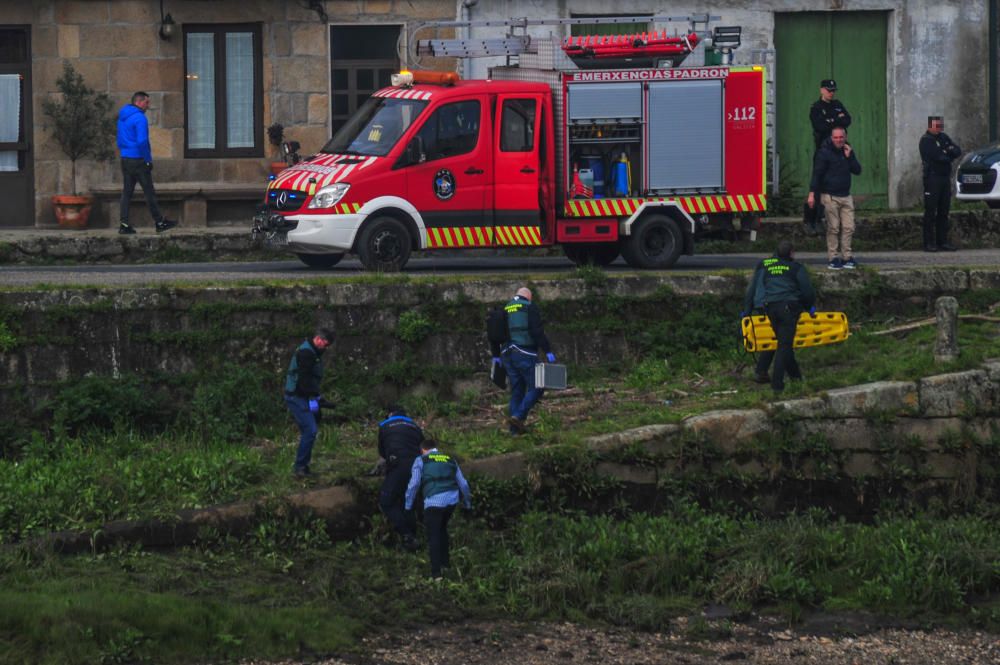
[(988, 178), (285, 200)]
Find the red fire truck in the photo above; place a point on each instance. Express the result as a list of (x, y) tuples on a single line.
[(592, 144)]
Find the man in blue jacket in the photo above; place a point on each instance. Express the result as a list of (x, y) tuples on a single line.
[(440, 480), (833, 167), (137, 162)]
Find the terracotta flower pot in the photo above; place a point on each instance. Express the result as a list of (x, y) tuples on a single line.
[(72, 212), (278, 167)]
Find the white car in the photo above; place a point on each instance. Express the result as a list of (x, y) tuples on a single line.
[(976, 179)]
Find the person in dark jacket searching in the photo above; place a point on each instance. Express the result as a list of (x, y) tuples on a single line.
[(440, 480), (302, 394), (937, 152), (787, 292), (521, 353), (399, 439), (833, 167)]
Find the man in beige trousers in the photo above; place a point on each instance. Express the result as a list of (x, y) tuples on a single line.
[(833, 167)]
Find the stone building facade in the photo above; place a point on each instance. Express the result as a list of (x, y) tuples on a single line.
[(898, 61), (117, 46)]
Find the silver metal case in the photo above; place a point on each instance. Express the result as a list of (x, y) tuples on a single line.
[(550, 376)]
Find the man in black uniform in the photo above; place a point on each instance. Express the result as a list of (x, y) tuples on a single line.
[(826, 113), (787, 293), (937, 151), (399, 440)]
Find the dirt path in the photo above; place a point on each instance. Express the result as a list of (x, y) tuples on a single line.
[(830, 642)]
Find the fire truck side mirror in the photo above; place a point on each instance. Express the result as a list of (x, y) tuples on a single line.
[(415, 151)]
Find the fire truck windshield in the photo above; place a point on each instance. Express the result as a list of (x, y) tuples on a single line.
[(376, 127)]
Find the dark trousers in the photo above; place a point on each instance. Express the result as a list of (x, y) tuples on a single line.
[(784, 317), (304, 418), (135, 171), (937, 204), (436, 523), (392, 497), (520, 368), (764, 359)]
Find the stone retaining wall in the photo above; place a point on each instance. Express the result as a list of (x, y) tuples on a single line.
[(970, 229), (59, 335), (933, 439)]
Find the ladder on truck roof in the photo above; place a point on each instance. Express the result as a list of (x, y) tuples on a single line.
[(517, 40)]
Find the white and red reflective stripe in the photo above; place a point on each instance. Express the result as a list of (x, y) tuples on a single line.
[(403, 93)]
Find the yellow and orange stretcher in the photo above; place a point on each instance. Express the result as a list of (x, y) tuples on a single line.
[(824, 328)]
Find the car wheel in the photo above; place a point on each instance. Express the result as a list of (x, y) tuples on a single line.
[(993, 205), (655, 243), (592, 254), (320, 260), (384, 245)]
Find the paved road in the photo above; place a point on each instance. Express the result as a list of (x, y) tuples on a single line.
[(140, 274)]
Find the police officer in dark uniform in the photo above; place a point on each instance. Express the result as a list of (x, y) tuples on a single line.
[(440, 480), (826, 113), (399, 440), (302, 396), (787, 293), (519, 356), (937, 151)]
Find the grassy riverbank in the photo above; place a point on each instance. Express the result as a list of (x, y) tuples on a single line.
[(113, 454), (285, 591)]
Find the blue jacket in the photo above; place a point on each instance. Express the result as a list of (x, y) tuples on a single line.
[(133, 134)]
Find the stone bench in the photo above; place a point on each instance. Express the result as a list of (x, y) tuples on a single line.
[(188, 202)]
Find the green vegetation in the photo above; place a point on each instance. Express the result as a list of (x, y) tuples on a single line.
[(144, 445), (285, 591), (577, 547)]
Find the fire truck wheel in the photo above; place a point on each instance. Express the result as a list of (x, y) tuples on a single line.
[(593, 254), (384, 245), (320, 260), (656, 242)]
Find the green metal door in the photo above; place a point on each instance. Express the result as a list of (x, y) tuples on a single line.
[(851, 48)]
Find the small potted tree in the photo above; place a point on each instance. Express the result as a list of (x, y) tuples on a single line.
[(276, 135), (83, 125)]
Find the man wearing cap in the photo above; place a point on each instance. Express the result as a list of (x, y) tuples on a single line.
[(937, 152), (827, 112), (399, 439), (302, 396), (519, 356)]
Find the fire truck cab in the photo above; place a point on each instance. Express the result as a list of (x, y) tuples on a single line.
[(627, 161), (423, 167)]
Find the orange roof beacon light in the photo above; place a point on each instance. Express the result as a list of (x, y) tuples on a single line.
[(405, 79)]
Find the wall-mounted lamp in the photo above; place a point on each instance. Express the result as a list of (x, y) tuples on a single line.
[(167, 24)]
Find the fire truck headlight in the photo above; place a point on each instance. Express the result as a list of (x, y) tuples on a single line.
[(328, 196)]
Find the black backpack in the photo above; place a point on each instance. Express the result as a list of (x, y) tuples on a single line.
[(497, 331)]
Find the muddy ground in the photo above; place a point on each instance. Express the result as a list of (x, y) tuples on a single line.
[(824, 639)]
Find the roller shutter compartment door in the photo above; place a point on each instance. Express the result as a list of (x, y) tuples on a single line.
[(605, 101), (685, 136)]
